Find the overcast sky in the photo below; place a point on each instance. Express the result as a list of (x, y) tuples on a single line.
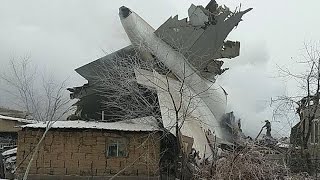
[(62, 35)]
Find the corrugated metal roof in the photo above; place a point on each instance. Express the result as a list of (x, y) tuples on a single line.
[(140, 124)]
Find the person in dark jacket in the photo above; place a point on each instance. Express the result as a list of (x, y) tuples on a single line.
[(268, 126)]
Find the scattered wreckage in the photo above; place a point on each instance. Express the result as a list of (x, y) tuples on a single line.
[(184, 59)]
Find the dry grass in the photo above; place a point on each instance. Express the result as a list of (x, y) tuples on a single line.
[(249, 163)]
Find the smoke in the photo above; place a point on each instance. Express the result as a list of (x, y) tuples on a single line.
[(250, 86)]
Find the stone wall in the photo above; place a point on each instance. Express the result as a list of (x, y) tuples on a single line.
[(83, 153)]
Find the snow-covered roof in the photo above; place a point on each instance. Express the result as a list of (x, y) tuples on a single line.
[(9, 152), (140, 124), (17, 119)]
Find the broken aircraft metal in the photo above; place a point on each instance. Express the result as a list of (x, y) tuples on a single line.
[(189, 48)]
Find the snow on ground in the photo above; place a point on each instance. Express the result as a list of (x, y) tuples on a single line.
[(9, 152)]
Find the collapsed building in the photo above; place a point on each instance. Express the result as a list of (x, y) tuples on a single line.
[(309, 114)]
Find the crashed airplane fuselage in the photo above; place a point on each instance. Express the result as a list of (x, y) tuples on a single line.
[(205, 34), (142, 34), (190, 50)]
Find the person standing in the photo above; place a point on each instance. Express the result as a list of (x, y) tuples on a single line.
[(268, 127)]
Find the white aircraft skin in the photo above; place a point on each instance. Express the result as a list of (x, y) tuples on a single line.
[(142, 35)]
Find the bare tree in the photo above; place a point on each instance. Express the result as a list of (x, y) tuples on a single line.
[(306, 104), (37, 94), (42, 98), (130, 87)]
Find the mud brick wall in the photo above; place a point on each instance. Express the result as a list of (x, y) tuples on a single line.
[(84, 153)]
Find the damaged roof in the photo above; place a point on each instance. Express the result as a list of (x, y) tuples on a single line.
[(17, 119), (139, 124)]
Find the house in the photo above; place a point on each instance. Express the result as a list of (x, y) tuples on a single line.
[(13, 113), (9, 130), (9, 122), (82, 149), (309, 112)]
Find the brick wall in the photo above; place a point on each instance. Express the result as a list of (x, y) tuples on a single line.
[(83, 153)]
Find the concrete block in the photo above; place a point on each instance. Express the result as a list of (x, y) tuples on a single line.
[(72, 171), (77, 156), (89, 141), (91, 156), (87, 172), (48, 171), (41, 170), (114, 162), (85, 163), (59, 171), (99, 164), (57, 164), (33, 170), (46, 163), (101, 139), (63, 156), (85, 149), (98, 149), (48, 140), (102, 172)]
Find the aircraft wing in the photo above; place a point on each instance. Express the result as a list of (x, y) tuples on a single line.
[(88, 71), (201, 38)]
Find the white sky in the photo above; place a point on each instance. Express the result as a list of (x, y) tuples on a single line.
[(63, 35)]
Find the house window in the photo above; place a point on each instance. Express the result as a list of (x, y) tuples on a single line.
[(116, 149)]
